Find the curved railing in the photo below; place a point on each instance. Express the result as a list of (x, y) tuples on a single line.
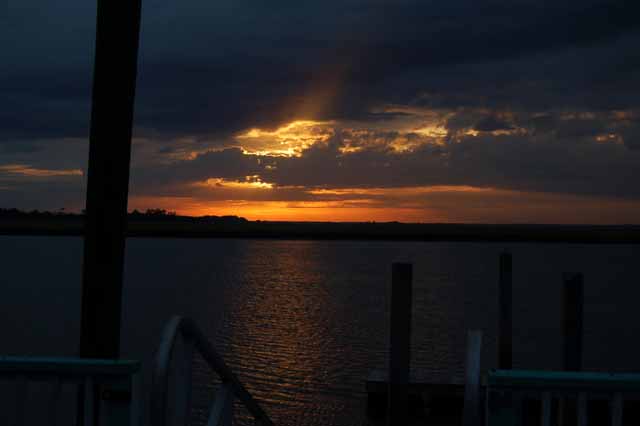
[(222, 409)]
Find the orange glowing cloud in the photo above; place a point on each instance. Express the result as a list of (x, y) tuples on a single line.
[(250, 182), (28, 171), (402, 191), (399, 135), (288, 140)]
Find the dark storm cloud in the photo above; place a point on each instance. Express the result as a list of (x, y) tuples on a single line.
[(540, 83), (492, 123), (210, 68), (631, 136), (50, 194), (229, 163)]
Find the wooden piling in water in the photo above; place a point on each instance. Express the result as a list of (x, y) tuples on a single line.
[(572, 315), (400, 344), (572, 318), (505, 302)]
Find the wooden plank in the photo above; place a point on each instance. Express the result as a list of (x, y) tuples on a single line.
[(518, 406), (564, 380), (89, 400), (54, 402), (471, 413), (419, 381), (505, 303), (21, 400), (114, 82), (400, 344), (503, 408), (117, 400), (67, 366), (136, 400), (561, 411)]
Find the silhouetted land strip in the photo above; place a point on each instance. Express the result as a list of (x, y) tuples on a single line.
[(157, 223)]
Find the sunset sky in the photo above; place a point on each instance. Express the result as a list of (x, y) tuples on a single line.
[(484, 111)]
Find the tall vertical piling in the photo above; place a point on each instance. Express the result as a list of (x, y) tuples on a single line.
[(505, 322), (400, 344)]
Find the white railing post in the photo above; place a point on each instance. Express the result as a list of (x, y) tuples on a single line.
[(88, 401), (545, 418), (195, 340), (616, 409), (136, 402), (221, 413), (574, 391), (582, 409), (118, 400)]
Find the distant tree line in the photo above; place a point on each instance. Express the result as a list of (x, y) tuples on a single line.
[(135, 215), (152, 213), (13, 212)]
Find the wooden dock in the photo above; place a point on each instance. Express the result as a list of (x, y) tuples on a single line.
[(436, 399), (419, 383)]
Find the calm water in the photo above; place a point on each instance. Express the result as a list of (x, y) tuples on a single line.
[(303, 322)]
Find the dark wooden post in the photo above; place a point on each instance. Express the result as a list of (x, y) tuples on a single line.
[(573, 301), (505, 342), (400, 344), (114, 82), (572, 314)]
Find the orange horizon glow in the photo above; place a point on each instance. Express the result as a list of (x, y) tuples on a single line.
[(444, 204), (299, 211)]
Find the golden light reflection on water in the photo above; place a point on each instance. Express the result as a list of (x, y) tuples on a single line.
[(282, 325)]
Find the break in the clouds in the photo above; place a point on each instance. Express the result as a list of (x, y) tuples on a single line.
[(510, 111)]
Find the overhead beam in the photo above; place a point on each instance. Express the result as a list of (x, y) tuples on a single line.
[(114, 83)]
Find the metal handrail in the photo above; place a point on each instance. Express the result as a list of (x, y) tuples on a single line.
[(193, 339), (549, 385)]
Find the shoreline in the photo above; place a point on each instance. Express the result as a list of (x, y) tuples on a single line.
[(582, 234)]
